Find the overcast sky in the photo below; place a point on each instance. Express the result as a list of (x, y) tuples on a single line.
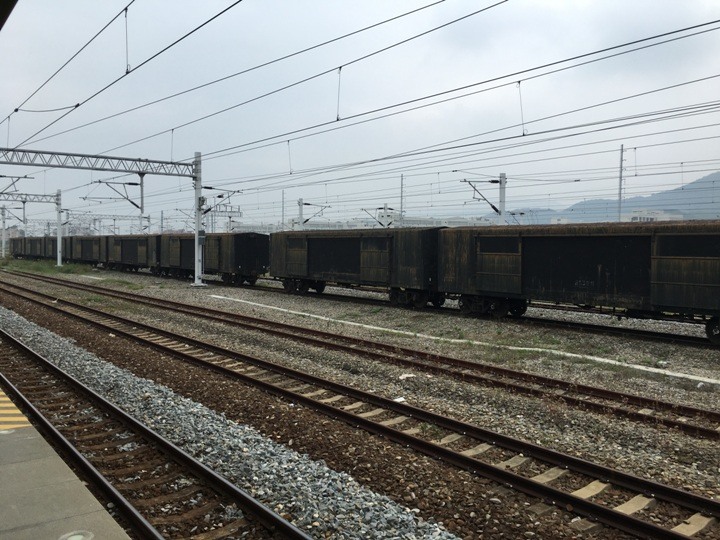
[(464, 99)]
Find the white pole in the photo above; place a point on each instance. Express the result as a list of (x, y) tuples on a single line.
[(58, 207), (199, 202), (142, 201), (4, 232), (301, 225), (501, 214), (622, 148), (402, 187)]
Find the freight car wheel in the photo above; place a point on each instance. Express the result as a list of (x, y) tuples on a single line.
[(518, 308), (303, 286), (465, 304), (712, 329), (419, 299), (288, 285), (251, 281), (437, 300), (499, 308), (394, 297), (319, 287)]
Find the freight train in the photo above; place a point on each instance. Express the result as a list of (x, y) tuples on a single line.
[(235, 258), (654, 271)]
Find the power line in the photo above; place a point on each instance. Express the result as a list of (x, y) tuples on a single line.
[(457, 89), (306, 79), (242, 72), (18, 108), (133, 70)]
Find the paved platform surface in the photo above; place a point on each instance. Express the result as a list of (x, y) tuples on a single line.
[(40, 496)]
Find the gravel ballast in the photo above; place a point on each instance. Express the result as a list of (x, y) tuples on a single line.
[(316, 498), (659, 454)]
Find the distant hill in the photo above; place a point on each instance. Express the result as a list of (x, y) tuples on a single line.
[(697, 200)]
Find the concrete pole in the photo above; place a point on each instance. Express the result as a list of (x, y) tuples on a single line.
[(402, 188), (58, 208), (501, 214), (301, 225), (142, 200), (199, 202), (4, 232), (622, 149)]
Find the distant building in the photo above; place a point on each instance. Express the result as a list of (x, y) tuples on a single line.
[(647, 216)]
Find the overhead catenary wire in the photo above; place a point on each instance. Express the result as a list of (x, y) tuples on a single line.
[(446, 153), (130, 71), (307, 79), (253, 144), (87, 44), (242, 72), (209, 155)]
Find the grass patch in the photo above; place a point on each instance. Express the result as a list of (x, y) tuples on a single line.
[(124, 284), (432, 431), (44, 267)]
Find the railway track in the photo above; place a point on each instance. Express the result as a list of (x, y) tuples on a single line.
[(602, 495), (162, 491), (544, 322), (691, 420)]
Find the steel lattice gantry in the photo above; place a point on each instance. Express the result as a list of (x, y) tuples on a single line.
[(59, 160), (14, 156)]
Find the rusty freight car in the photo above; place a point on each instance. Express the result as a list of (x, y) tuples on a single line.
[(85, 249), (402, 261), (236, 257), (133, 252), (17, 247), (638, 270), (177, 255)]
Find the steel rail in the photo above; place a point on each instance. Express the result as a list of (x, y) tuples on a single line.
[(262, 513), (594, 511), (78, 460), (328, 340)]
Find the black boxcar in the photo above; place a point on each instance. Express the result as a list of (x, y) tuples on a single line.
[(640, 269), (133, 252), (86, 249), (35, 247), (236, 257), (685, 268), (177, 255), (17, 248), (403, 261)]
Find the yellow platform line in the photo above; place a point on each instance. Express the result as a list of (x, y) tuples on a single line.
[(10, 415)]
